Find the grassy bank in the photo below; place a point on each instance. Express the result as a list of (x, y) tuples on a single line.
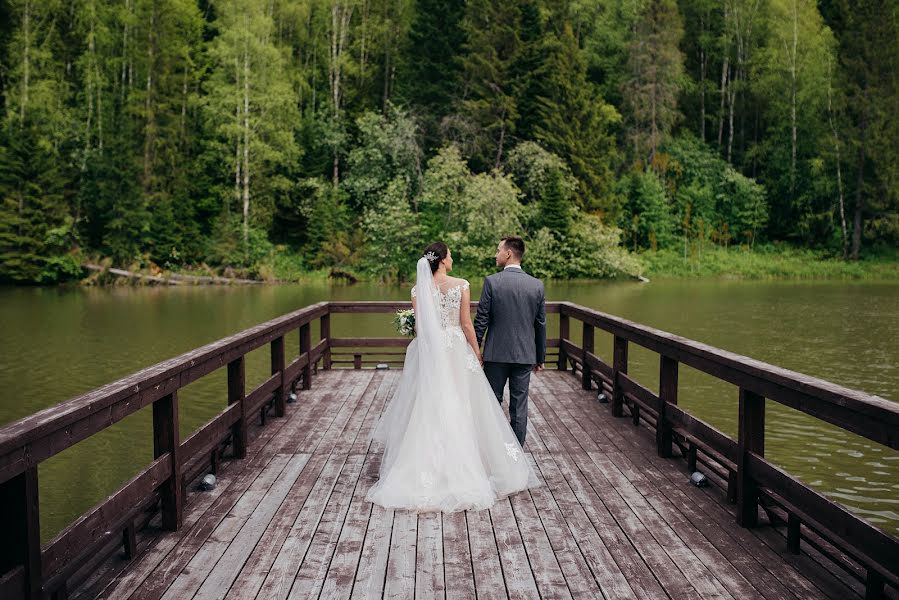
[(767, 262), (764, 262)]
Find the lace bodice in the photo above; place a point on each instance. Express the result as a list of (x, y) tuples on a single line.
[(449, 302)]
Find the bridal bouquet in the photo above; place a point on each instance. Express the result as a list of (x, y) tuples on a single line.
[(405, 322)]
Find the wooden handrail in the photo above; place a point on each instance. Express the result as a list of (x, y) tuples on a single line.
[(30, 570), (752, 476), (867, 415)]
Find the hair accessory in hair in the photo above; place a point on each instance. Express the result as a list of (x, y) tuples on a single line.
[(431, 256)]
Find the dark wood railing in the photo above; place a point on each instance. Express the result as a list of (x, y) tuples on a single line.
[(31, 570), (751, 479)]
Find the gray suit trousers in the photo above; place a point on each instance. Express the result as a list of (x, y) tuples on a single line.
[(519, 378)]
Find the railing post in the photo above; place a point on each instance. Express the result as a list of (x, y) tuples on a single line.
[(794, 535), (874, 585), (619, 365), (667, 394), (587, 375), (22, 532), (278, 367), (237, 393), (357, 361), (165, 440), (751, 438), (325, 328), (305, 345), (563, 335)]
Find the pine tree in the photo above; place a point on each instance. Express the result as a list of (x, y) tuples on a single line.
[(430, 73), (488, 110), (31, 206), (868, 40), (555, 211), (572, 120), (655, 67)]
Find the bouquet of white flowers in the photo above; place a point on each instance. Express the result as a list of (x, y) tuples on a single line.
[(405, 322)]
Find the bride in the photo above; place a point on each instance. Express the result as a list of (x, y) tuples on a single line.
[(447, 444)]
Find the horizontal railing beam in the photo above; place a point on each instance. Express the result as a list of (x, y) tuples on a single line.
[(84, 415), (867, 415)]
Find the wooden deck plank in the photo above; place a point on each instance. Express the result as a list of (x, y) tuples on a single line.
[(741, 570), (208, 554), (612, 520), (372, 569), (488, 574), (258, 565), (234, 477), (218, 582), (280, 577), (311, 575), (457, 558), (429, 582), (543, 562), (643, 563), (578, 578), (781, 566), (339, 579), (513, 559), (640, 522), (400, 581)]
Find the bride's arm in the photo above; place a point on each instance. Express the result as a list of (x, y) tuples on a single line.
[(465, 322)]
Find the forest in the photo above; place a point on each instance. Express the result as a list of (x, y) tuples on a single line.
[(258, 136)]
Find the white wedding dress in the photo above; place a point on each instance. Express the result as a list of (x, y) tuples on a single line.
[(447, 444)]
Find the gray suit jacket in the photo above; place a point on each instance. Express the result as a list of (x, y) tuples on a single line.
[(512, 312)]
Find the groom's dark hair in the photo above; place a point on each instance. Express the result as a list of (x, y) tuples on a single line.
[(515, 245)]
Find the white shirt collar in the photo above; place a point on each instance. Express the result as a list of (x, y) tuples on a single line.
[(511, 267)]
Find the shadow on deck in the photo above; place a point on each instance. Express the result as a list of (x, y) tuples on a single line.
[(613, 520)]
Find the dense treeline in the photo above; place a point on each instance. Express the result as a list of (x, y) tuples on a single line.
[(345, 133)]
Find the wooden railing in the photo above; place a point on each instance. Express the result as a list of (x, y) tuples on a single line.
[(30, 570), (751, 479)]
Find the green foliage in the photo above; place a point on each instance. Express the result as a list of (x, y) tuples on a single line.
[(387, 148), (392, 234), (174, 132), (574, 122), (35, 231), (533, 168), (590, 249), (647, 219), (768, 261)]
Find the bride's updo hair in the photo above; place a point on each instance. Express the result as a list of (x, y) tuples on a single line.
[(439, 249)]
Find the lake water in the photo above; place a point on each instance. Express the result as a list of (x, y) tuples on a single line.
[(57, 343)]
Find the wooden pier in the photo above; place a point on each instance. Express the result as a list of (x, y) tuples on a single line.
[(616, 516)]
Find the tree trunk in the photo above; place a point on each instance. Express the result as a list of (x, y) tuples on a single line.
[(703, 67), (792, 58), (836, 143), (26, 59), (724, 73), (150, 131), (860, 179), (246, 140), (237, 155)]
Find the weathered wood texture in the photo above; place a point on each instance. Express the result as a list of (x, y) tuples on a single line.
[(611, 520)]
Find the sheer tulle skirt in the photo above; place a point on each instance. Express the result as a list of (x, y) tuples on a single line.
[(447, 449)]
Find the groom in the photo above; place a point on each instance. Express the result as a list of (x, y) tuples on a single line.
[(512, 311)]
